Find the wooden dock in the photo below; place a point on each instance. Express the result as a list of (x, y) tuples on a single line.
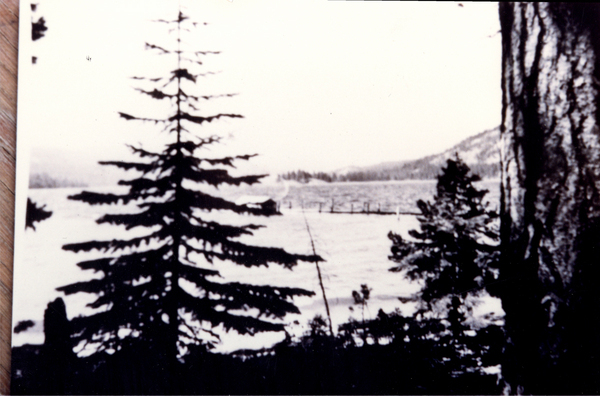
[(331, 208), (376, 213)]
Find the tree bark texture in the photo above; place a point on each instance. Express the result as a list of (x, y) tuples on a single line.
[(550, 203)]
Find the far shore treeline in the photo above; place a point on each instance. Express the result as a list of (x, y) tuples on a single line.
[(420, 169), (413, 170), (480, 152)]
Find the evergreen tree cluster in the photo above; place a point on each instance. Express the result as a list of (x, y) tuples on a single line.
[(422, 169), (304, 176)]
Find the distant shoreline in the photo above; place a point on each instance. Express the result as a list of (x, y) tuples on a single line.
[(404, 181), (291, 183)]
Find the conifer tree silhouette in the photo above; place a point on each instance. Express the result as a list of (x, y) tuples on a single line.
[(455, 252), (141, 291)]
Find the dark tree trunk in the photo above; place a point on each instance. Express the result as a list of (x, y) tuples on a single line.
[(550, 205)]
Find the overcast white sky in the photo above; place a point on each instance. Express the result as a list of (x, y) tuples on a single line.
[(322, 84)]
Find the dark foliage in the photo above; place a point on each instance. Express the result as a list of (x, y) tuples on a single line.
[(414, 170), (304, 177), (430, 339), (406, 360), (454, 254), (35, 214), (23, 325), (455, 251), (38, 29), (46, 369), (361, 298), (57, 347), (143, 308)]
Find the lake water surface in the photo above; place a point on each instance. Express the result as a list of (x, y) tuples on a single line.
[(355, 247)]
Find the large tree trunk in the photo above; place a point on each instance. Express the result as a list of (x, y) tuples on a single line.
[(550, 205)]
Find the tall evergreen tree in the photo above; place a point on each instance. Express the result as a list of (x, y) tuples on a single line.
[(455, 252), (140, 296)]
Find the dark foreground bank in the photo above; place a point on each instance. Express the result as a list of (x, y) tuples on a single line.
[(409, 363)]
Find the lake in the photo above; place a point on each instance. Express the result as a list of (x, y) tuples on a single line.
[(387, 196), (355, 247)]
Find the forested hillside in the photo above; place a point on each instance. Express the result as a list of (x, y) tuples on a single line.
[(480, 152)]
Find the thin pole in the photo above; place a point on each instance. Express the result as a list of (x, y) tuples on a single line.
[(312, 244)]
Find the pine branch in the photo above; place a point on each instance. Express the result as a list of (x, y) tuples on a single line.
[(98, 265), (115, 244), (93, 198), (200, 120), (155, 214), (209, 97), (270, 301), (165, 21), (182, 74), (141, 185), (147, 78), (108, 264), (213, 231), (205, 202), (215, 177), (209, 140), (254, 256), (210, 73), (205, 74), (241, 324), (130, 117), (152, 46), (228, 161), (197, 272), (207, 52), (156, 94)]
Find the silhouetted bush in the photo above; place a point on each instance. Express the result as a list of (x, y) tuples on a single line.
[(35, 214)]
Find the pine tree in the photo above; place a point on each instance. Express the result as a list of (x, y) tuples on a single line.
[(455, 251), (140, 295)]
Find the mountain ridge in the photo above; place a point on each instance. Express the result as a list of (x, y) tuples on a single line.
[(68, 168), (481, 152)]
